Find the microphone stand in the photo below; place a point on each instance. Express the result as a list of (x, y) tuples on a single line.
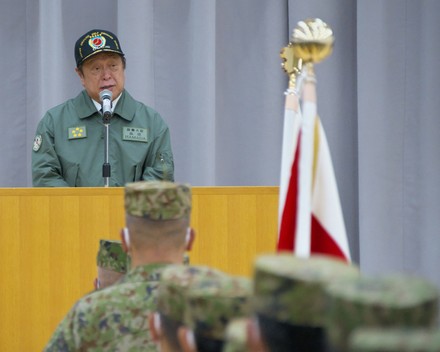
[(106, 168)]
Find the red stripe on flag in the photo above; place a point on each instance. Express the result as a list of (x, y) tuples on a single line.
[(286, 240), (323, 243)]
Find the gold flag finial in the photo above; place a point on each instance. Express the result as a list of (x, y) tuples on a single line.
[(312, 41)]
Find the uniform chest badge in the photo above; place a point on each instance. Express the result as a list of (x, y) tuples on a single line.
[(135, 134), (37, 143), (77, 132)]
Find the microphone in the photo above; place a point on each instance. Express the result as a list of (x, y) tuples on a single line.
[(106, 103)]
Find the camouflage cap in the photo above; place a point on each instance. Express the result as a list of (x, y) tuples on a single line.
[(213, 303), (158, 200), (111, 256), (394, 300), (291, 289), (236, 336), (394, 340), (175, 282)]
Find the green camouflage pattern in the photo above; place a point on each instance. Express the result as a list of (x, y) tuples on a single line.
[(394, 340), (292, 289), (236, 336), (174, 284), (394, 300), (158, 200), (213, 303), (111, 256), (112, 319)]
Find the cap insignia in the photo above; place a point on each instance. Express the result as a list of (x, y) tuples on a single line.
[(97, 42)]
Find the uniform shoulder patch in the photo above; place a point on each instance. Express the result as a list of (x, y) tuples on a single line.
[(38, 140)]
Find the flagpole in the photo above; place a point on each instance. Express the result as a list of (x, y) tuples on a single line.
[(291, 128), (310, 214), (313, 41)]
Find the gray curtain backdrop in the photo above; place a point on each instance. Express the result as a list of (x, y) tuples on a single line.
[(212, 69)]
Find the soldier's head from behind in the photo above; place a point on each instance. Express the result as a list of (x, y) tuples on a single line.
[(157, 215), (112, 263), (171, 302), (289, 301), (211, 304)]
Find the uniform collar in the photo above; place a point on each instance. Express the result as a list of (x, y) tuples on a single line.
[(148, 272), (114, 103), (125, 107)]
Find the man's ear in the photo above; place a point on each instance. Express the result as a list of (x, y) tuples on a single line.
[(96, 283), (155, 326), (186, 339), (125, 239), (80, 75), (189, 239), (253, 336)]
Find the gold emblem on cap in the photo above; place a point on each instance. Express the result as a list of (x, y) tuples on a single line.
[(96, 41)]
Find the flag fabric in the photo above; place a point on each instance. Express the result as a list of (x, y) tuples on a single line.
[(310, 215)]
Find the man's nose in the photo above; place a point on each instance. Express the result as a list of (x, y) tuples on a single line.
[(106, 72)]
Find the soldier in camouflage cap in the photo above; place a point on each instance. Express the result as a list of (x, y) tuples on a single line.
[(236, 336), (391, 301), (394, 340), (112, 262), (158, 200), (171, 305), (289, 300), (157, 234), (211, 305)]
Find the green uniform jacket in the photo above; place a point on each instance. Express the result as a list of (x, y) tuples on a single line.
[(69, 145), (112, 319)]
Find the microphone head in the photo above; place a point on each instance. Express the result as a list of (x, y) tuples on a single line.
[(105, 94)]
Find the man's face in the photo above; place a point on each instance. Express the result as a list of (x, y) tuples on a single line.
[(102, 71)]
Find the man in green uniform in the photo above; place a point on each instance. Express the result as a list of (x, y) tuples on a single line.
[(69, 145), (116, 318)]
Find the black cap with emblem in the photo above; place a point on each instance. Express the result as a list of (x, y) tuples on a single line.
[(96, 41)]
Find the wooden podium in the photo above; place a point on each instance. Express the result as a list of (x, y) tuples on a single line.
[(50, 236)]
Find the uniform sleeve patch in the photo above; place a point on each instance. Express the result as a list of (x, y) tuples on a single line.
[(38, 140)]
